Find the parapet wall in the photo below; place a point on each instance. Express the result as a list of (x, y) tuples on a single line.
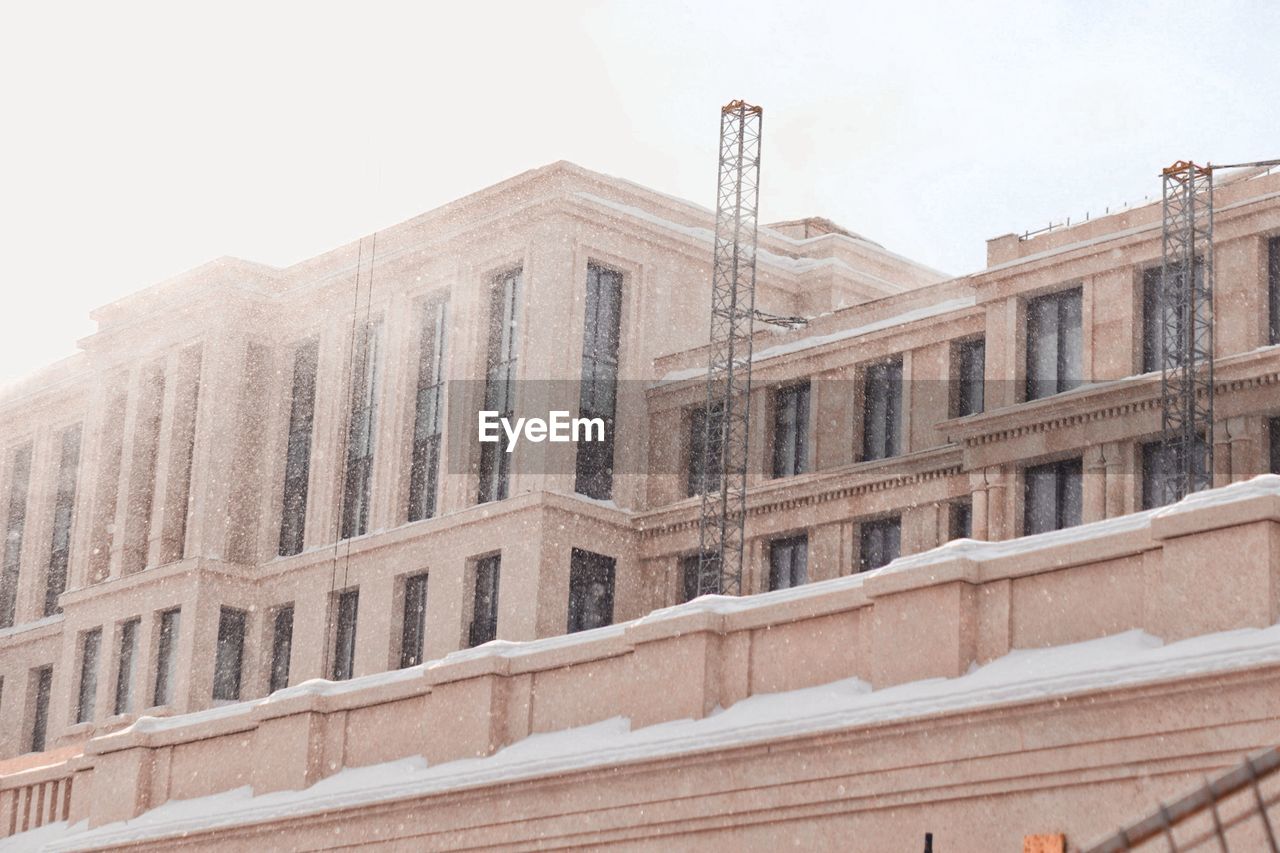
[(1208, 564)]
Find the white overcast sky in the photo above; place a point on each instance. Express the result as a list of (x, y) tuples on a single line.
[(138, 141)]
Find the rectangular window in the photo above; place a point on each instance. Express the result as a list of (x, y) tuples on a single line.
[(704, 447), (499, 384), (424, 475), (360, 434), (281, 648), (1053, 496), (1154, 315), (971, 366), (881, 543), (1054, 347), (590, 590), (484, 604), (167, 657), (413, 629), (63, 507), (344, 635), (961, 520), (126, 665), (599, 385), (689, 578), (90, 645), (882, 410), (297, 463), (791, 431), (1273, 287), (789, 562), (229, 658), (15, 522), (1159, 465), (42, 686)]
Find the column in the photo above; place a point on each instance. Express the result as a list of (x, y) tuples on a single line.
[(1094, 487)]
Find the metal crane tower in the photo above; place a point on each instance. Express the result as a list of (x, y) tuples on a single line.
[(733, 294), (1186, 332)]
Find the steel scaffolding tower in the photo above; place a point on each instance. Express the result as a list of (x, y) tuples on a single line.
[(1186, 339), (733, 294)]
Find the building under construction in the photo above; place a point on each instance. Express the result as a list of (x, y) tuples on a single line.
[(256, 556)]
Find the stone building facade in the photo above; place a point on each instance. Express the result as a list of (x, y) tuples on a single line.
[(252, 477)]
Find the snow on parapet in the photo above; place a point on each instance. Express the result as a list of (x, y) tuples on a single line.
[(1116, 662), (980, 551)]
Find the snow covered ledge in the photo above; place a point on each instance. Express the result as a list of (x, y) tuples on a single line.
[(1207, 565)]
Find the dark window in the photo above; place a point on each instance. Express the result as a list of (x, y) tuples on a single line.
[(15, 522), (1159, 466), (791, 431), (413, 629), (424, 476), (599, 386), (229, 659), (167, 657), (882, 410), (1159, 317), (961, 520), (1153, 314), (125, 666), (881, 543), (499, 384), (1053, 496), (971, 365), (590, 590), (1053, 344), (63, 507), (281, 649), (1273, 287), (484, 605), (344, 635), (704, 447), (360, 438), (297, 465), (90, 645), (1274, 424), (690, 567), (788, 562), (43, 685)]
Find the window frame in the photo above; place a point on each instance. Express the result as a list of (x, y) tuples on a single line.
[(598, 385), (298, 447), (1063, 471), (428, 427), (584, 568), (874, 528), (413, 619), (1062, 300), (486, 571), (789, 547), (281, 648), (962, 402), (886, 440), (502, 357), (228, 666), (792, 412)]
